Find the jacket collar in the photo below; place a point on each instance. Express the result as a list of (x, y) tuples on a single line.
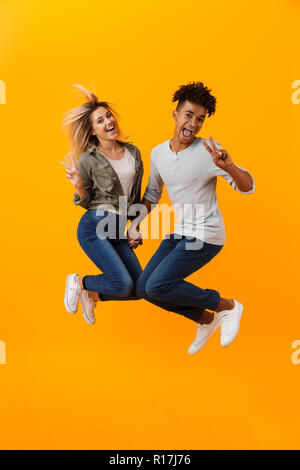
[(92, 148)]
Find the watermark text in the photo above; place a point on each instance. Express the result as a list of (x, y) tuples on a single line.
[(2, 352), (2, 92)]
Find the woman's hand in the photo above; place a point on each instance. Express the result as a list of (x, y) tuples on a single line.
[(73, 174), (134, 236), (134, 243)]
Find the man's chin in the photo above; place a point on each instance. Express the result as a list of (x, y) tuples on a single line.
[(186, 140)]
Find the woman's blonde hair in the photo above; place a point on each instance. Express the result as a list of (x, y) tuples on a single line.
[(80, 126)]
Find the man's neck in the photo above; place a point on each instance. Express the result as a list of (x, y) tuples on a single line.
[(176, 146)]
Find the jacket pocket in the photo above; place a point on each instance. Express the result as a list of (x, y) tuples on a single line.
[(103, 181)]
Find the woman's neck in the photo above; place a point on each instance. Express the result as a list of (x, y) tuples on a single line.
[(109, 147)]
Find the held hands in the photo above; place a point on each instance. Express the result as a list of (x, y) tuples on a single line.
[(134, 236), (220, 156), (72, 173)]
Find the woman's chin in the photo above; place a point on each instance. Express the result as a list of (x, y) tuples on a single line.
[(110, 137)]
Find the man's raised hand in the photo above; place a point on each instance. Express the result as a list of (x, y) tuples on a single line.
[(220, 156)]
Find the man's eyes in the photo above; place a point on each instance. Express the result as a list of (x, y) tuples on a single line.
[(190, 115)]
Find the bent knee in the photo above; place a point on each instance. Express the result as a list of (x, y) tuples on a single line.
[(140, 288), (125, 288), (159, 287), (154, 290)]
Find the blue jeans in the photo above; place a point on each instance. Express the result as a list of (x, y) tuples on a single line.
[(112, 255), (162, 282)]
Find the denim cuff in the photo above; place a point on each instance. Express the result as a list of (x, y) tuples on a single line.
[(83, 283)]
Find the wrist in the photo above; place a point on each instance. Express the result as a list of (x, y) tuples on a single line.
[(230, 167)]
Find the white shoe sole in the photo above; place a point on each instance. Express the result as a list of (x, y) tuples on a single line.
[(68, 308), (205, 341), (239, 308)]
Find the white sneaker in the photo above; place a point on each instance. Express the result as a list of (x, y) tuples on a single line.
[(230, 323), (203, 333), (88, 307), (72, 293)]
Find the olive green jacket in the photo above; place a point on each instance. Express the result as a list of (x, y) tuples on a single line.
[(101, 182)]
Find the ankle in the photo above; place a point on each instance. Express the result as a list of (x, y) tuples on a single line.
[(80, 282), (206, 318), (225, 304), (93, 295)]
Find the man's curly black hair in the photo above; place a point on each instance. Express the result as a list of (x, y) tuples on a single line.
[(195, 92)]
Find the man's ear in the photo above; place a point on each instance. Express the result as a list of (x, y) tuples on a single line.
[(174, 114)]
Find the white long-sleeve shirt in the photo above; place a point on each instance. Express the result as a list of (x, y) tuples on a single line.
[(190, 177)]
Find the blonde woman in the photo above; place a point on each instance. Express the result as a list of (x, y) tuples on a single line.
[(106, 170)]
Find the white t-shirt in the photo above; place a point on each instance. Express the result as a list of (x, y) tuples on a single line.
[(190, 177), (125, 169)]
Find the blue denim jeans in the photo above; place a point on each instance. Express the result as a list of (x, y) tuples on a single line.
[(162, 282), (112, 255)]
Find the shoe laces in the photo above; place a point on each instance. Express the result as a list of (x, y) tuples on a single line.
[(202, 326), (201, 329), (78, 285), (91, 302), (74, 289), (226, 321)]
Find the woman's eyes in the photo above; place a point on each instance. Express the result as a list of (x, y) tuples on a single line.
[(101, 120)]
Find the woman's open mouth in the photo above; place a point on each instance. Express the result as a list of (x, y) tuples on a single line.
[(111, 129)]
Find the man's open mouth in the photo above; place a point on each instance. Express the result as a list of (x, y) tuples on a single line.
[(187, 132), (110, 129)]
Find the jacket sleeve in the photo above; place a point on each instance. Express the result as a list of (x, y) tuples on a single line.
[(155, 185), (88, 186), (217, 171)]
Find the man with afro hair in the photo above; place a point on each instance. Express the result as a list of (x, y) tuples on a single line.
[(189, 166)]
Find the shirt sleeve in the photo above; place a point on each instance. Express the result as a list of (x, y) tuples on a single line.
[(88, 186), (155, 184), (217, 171)]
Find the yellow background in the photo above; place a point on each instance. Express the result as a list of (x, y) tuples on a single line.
[(128, 382)]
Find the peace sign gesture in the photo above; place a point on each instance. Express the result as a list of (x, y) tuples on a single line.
[(72, 173), (220, 156)]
